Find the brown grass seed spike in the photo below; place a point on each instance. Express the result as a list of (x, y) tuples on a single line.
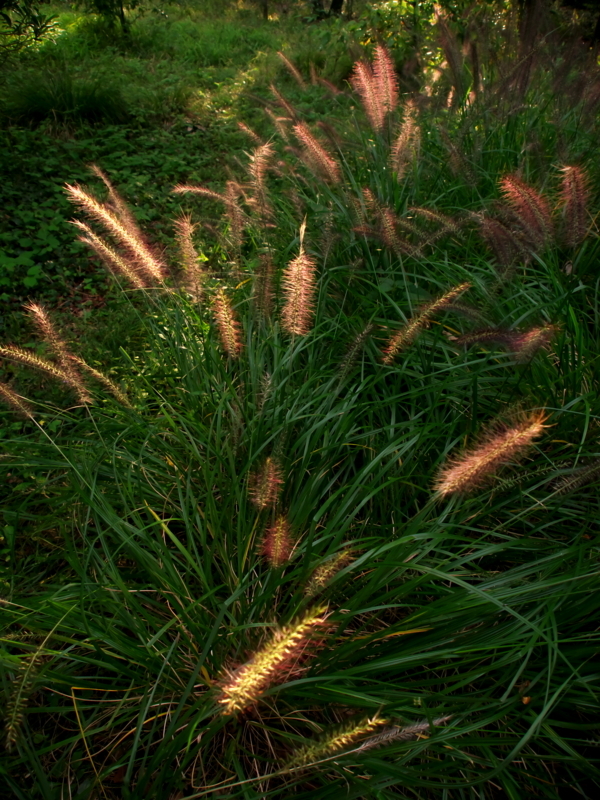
[(265, 485), (193, 274), (531, 209), (28, 359), (131, 240), (227, 324), (271, 664), (363, 83), (317, 158), (299, 286), (386, 80), (278, 543), (112, 260), (574, 196), (336, 742), (15, 401), (469, 471), (408, 333)]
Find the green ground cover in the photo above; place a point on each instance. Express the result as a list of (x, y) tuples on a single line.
[(304, 501)]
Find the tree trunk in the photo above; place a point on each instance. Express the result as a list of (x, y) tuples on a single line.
[(265, 8), (336, 6)]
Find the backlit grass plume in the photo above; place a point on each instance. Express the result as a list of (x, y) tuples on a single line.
[(334, 743), (578, 478), (227, 324), (230, 198), (271, 664), (119, 206), (57, 345), (292, 69), (131, 239), (407, 141), (377, 87), (530, 208), (409, 332), (524, 344), (15, 401), (278, 542), (257, 168), (265, 485), (477, 466), (119, 266), (321, 162), (385, 79), (193, 274), (28, 359), (364, 85), (299, 286), (102, 379), (574, 196), (325, 572), (402, 734), (263, 291), (506, 245)]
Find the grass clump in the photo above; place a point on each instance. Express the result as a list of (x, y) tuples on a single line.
[(59, 98), (333, 530)]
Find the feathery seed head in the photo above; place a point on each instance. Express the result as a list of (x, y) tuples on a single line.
[(279, 123), (527, 343), (341, 739), (299, 285), (577, 478), (506, 245), (496, 449), (397, 734), (290, 110), (259, 163), (116, 264), (263, 290), (385, 79), (129, 238), (325, 572), (278, 543), (574, 196), (292, 69), (15, 401), (117, 202), (227, 323), (316, 156), (28, 359), (407, 334), (101, 378), (531, 210), (364, 84), (194, 276), (184, 188), (250, 133), (265, 485), (523, 343), (407, 140), (272, 664), (59, 348)]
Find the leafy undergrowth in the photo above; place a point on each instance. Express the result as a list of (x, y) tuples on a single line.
[(154, 108), (330, 529)]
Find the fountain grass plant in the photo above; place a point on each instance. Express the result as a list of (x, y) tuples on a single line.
[(340, 536)]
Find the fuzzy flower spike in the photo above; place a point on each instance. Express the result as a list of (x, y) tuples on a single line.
[(496, 449), (299, 285), (271, 664), (265, 485)]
